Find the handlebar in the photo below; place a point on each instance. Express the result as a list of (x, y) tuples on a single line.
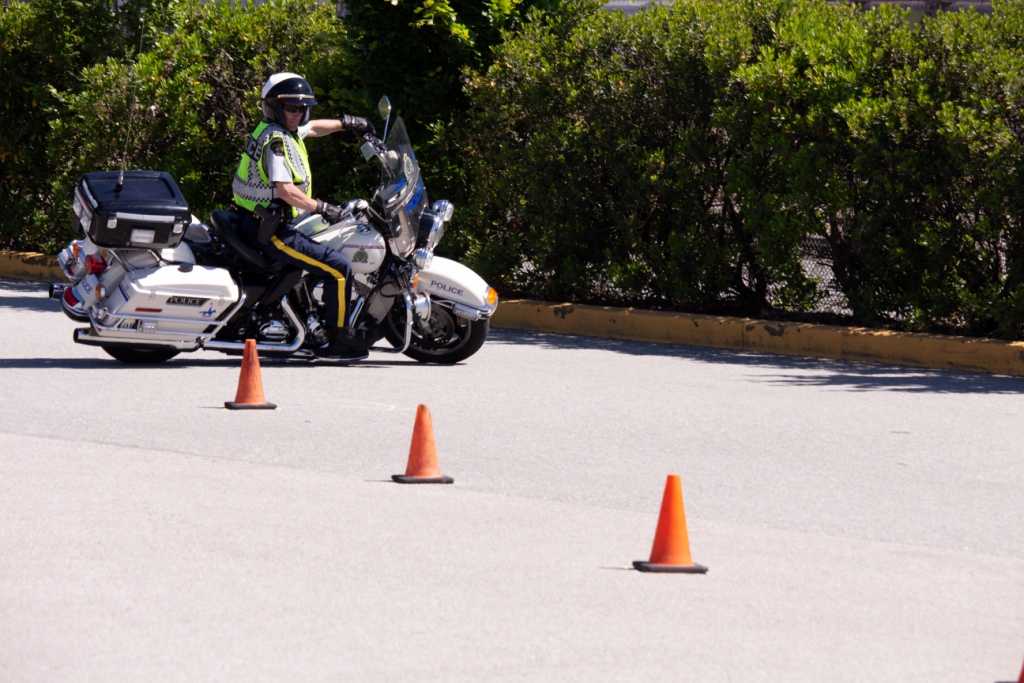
[(388, 158)]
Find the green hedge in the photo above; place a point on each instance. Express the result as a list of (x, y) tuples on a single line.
[(680, 158), (43, 48), (185, 102)]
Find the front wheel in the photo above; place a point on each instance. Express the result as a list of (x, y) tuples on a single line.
[(444, 338), (140, 355)]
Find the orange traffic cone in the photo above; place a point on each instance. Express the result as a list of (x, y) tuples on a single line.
[(671, 551), (422, 467), (250, 387)]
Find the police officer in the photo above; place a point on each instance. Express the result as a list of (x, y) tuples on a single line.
[(273, 183)]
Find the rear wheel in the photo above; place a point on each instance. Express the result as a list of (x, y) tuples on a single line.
[(140, 355), (444, 338)]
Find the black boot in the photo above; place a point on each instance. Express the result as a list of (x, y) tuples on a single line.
[(345, 346)]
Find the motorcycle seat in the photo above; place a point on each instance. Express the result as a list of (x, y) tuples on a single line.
[(227, 224)]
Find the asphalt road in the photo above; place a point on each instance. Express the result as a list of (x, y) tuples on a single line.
[(859, 522)]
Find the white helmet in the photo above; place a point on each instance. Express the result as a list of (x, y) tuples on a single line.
[(286, 87)]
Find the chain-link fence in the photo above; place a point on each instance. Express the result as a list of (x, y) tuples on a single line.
[(817, 263)]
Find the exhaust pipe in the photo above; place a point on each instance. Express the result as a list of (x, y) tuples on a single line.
[(300, 337), (85, 335), (263, 348), (57, 290)]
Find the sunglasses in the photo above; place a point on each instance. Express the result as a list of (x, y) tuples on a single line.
[(293, 108)]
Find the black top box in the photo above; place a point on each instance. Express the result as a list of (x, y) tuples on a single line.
[(145, 211)]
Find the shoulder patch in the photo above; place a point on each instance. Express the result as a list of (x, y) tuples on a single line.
[(277, 147)]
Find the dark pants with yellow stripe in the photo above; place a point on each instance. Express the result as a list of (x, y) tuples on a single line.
[(290, 246)]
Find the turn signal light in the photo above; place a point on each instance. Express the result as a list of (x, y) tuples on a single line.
[(94, 264), (492, 295), (76, 248), (415, 281)]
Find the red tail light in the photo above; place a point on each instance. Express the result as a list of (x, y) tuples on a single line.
[(69, 297), (94, 264)]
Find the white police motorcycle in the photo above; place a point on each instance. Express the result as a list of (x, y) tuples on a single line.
[(151, 281)]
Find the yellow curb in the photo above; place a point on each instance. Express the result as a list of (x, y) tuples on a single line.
[(30, 266), (744, 334)]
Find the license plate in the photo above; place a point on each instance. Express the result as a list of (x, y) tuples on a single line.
[(141, 236)]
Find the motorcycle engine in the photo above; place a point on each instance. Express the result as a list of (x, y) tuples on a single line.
[(273, 331), (267, 328)]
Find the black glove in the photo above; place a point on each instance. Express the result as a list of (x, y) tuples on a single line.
[(357, 124), (331, 213)]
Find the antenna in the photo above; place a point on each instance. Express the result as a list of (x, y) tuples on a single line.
[(131, 113)]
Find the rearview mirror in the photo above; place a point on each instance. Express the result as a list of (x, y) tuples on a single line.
[(384, 107)]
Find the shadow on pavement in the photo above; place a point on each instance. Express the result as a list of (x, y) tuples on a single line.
[(210, 359), (854, 375), (33, 296), (104, 364), (861, 376)]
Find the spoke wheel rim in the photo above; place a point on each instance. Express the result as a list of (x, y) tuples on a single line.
[(443, 333)]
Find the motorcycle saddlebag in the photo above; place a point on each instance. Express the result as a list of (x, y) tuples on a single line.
[(169, 300), (147, 211)]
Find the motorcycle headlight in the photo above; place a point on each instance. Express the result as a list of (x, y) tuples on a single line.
[(423, 258), (430, 230)]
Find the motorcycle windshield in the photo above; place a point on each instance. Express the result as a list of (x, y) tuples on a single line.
[(402, 191)]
